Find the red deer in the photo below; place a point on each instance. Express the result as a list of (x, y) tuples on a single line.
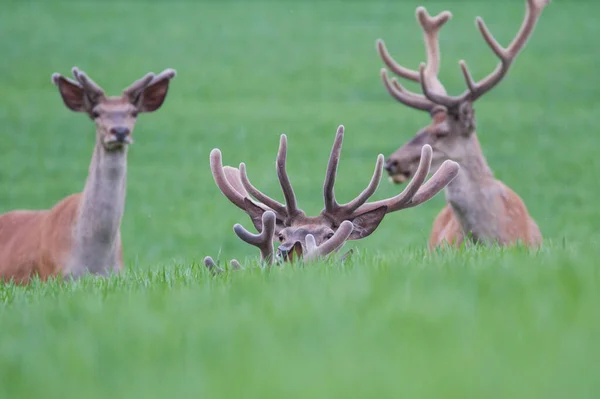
[(319, 236), (479, 206), (81, 233)]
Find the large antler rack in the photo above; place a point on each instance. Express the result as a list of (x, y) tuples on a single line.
[(288, 212), (266, 212), (434, 93), (415, 193)]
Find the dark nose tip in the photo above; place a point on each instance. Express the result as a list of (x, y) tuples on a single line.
[(283, 251), (390, 165), (120, 132)]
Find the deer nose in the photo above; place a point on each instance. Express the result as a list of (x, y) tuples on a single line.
[(120, 132), (285, 249), (391, 165)]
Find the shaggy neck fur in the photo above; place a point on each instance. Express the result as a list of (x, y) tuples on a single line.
[(97, 229), (473, 196)]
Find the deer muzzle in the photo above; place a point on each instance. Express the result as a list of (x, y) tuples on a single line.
[(288, 252), (399, 172), (121, 134)]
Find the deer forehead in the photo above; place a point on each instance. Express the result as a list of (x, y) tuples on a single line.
[(439, 117), (438, 122), (114, 105), (309, 228)]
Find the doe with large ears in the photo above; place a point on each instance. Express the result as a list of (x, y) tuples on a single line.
[(478, 205), (312, 237), (81, 233)]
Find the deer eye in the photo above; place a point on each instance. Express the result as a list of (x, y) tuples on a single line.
[(328, 236), (134, 114), (95, 114), (280, 237)]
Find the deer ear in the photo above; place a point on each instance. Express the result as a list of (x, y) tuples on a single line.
[(153, 96), (367, 222), (255, 212), (72, 93)]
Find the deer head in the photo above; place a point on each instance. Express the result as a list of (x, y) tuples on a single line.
[(114, 116), (450, 133), (318, 236)]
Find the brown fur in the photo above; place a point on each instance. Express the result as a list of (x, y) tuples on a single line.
[(517, 226), (479, 206), (81, 233), (320, 235), (33, 245)]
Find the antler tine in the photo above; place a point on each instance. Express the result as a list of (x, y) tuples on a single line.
[(277, 207), (405, 96), (331, 204), (284, 180), (311, 245), (56, 77), (399, 201), (139, 84), (353, 205), (333, 244), (436, 97), (216, 166), (431, 27), (417, 181), (235, 265), (445, 174), (332, 207), (168, 73), (393, 65), (506, 55), (263, 240), (86, 82), (212, 266)]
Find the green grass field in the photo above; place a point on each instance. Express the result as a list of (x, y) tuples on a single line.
[(395, 321)]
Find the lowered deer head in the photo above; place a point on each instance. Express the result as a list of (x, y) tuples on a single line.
[(115, 116), (451, 132), (318, 236)]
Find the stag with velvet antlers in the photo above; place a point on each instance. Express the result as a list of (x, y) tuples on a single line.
[(307, 237), (479, 207), (81, 233)]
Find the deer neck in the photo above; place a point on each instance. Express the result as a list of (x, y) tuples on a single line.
[(97, 230), (472, 195)]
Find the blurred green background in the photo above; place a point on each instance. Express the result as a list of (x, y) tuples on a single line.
[(247, 72)]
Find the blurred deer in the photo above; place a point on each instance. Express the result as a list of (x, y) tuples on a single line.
[(81, 233), (478, 205), (319, 236)]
